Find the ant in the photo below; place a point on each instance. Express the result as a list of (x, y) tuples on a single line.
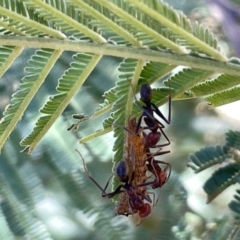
[(153, 165), (152, 123), (135, 157), (135, 199), (144, 159), (153, 137)]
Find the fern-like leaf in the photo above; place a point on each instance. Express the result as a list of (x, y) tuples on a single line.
[(67, 24), (7, 56), (6, 231), (69, 84), (224, 97), (185, 80), (234, 205), (218, 84), (129, 18), (104, 23), (221, 179), (21, 221), (233, 139), (170, 19), (21, 25), (151, 72), (208, 157), (38, 68)]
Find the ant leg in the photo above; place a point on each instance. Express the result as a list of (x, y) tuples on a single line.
[(115, 192), (143, 196), (160, 175), (159, 113), (154, 172), (168, 166), (139, 122), (154, 202), (130, 204), (163, 176), (92, 179), (158, 153), (168, 141)]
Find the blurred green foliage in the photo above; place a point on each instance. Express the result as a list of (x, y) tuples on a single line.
[(60, 202)]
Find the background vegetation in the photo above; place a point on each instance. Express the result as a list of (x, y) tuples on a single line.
[(46, 195)]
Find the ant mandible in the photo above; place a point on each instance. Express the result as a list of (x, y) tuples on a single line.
[(136, 200)]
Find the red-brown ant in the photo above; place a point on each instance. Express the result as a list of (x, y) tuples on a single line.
[(135, 199), (144, 159), (153, 137), (152, 123), (135, 157)]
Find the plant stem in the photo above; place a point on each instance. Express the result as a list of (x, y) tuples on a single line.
[(124, 52)]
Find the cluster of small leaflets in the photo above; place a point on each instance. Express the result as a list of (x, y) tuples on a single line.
[(139, 170)]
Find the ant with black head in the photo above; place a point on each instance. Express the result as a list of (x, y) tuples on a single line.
[(152, 138), (135, 199)]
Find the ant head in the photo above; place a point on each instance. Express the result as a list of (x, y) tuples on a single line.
[(122, 170), (146, 93)]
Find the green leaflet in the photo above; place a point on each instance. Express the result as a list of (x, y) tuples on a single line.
[(15, 22), (215, 85), (224, 97), (224, 176), (69, 84), (7, 56), (233, 139), (20, 218), (27, 89), (221, 179), (207, 157), (179, 24)]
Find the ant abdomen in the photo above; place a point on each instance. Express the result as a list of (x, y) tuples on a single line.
[(152, 139), (145, 210)]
